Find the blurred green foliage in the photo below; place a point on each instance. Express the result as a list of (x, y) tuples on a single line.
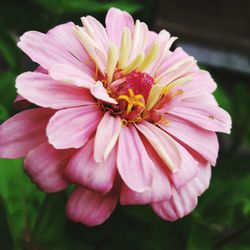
[(30, 219), (77, 6)]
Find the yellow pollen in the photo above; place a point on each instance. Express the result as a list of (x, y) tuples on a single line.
[(137, 119), (163, 121), (132, 100), (124, 122)]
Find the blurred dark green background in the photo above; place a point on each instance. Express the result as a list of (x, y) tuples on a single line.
[(217, 34)]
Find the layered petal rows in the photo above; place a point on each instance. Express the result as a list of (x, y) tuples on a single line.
[(119, 115)]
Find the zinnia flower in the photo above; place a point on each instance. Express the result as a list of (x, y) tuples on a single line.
[(119, 115)]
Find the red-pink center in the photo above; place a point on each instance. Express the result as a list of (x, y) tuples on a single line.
[(131, 96)]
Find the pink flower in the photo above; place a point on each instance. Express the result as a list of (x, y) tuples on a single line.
[(119, 115)]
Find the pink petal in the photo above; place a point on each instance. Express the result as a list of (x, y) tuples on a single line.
[(45, 165), (64, 35), (201, 84), (182, 70), (163, 39), (100, 93), (84, 171), (96, 31), (72, 128), (41, 70), (182, 202), (163, 144), (158, 192), (139, 40), (175, 57), (19, 98), (170, 100), (207, 99), (206, 116), (72, 75), (106, 136), (134, 165), (201, 182), (152, 37), (90, 208), (45, 50), (97, 54), (188, 168), (202, 141), (23, 132), (21, 103), (42, 90), (115, 21)]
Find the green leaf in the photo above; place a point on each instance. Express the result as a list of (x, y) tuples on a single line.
[(6, 240), (85, 6), (241, 102), (94, 6), (21, 197), (240, 114), (7, 86), (50, 220), (8, 48), (223, 99), (199, 238), (4, 114), (246, 206)]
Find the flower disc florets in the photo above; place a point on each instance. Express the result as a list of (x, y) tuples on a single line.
[(131, 93)]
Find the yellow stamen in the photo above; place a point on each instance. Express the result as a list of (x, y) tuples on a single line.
[(133, 65), (150, 57), (125, 48), (111, 62), (132, 100)]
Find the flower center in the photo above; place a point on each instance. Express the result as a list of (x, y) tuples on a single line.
[(131, 93), (141, 83), (132, 100)]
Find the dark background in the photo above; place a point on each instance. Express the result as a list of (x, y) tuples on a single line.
[(217, 34)]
